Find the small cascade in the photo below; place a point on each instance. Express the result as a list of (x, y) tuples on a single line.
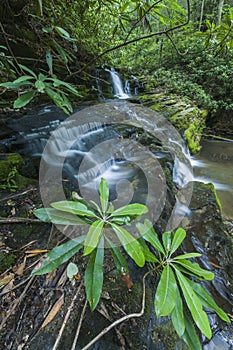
[(118, 90)]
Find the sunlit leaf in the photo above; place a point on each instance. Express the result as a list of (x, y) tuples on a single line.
[(149, 256), (24, 99), (167, 240), (94, 276), (178, 238), (49, 60), (147, 232), (207, 301), (62, 32), (56, 82), (93, 236), (195, 269), (186, 256), (72, 270), (130, 244), (194, 305), (24, 78), (74, 208), (165, 297), (40, 86), (104, 194), (59, 255), (131, 209), (177, 315)]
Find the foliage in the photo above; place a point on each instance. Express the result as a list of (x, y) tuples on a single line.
[(177, 284), (32, 84), (10, 183)]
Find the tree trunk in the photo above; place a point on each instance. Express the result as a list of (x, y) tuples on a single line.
[(220, 7), (201, 14)]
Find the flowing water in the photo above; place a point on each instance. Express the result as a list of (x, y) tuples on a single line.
[(215, 164)]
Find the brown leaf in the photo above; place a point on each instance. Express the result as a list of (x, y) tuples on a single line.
[(6, 279), (18, 270), (36, 251), (52, 313), (127, 280)]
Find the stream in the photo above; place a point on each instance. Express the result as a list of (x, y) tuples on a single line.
[(140, 154)]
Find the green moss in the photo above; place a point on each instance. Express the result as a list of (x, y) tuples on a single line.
[(211, 186), (6, 261)]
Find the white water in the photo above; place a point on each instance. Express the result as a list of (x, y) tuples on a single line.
[(118, 90)]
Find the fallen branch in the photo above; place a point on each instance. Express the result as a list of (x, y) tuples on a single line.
[(125, 318), (18, 220), (79, 326)]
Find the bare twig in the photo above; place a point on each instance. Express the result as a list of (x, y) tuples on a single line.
[(79, 326), (15, 287), (124, 318), (67, 317), (18, 220), (18, 194)]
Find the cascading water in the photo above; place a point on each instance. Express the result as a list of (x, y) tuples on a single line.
[(118, 90)]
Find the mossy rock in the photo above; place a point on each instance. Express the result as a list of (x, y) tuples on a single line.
[(10, 178), (6, 261)]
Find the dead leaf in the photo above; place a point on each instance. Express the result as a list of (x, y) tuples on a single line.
[(52, 313), (50, 276), (36, 251), (6, 279), (127, 280), (19, 270)]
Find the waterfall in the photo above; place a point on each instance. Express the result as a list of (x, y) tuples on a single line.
[(118, 90)]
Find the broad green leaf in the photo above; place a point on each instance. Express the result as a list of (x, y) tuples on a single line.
[(167, 240), (130, 244), (27, 70), (149, 256), (147, 232), (118, 257), (58, 217), (178, 238), (24, 78), (62, 32), (177, 315), (93, 236), (165, 297), (49, 60), (40, 86), (131, 209), (61, 52), (94, 276), (58, 100), (186, 256), (190, 336), (207, 301), (58, 255), (194, 305), (195, 269), (24, 99), (56, 82), (72, 270), (11, 85), (121, 220), (74, 208), (104, 194)]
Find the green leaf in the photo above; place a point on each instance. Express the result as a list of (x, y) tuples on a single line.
[(24, 99), (167, 239), (58, 100), (62, 32), (74, 208), (94, 276), (49, 61), (24, 78), (131, 209), (11, 85), (118, 257), (93, 236), (195, 269), (190, 336), (130, 244), (104, 194), (40, 86), (147, 232), (177, 315), (149, 256), (72, 270), (27, 70), (124, 220), (57, 82), (186, 256), (178, 238), (57, 217), (194, 305), (58, 255), (61, 52), (207, 301), (165, 297)]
